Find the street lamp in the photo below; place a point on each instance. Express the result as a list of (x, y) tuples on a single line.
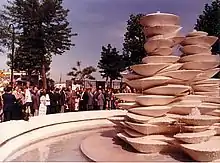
[(11, 26)]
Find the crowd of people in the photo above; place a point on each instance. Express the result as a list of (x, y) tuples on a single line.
[(20, 102)]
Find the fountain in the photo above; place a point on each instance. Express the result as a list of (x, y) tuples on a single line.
[(178, 103), (174, 116)]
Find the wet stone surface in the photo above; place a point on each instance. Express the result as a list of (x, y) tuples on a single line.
[(62, 148), (99, 145), (107, 144)]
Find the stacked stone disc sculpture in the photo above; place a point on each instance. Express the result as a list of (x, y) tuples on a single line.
[(197, 56), (165, 114)]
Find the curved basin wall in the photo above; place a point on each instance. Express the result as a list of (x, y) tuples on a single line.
[(17, 134)]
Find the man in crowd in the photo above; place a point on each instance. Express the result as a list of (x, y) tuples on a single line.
[(57, 101)]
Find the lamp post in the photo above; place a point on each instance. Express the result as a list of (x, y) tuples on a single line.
[(11, 27)]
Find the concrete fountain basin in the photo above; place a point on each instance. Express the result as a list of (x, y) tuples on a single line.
[(160, 59), (194, 49), (172, 67), (155, 100), (149, 82), (205, 151), (199, 120), (199, 58), (152, 111), (43, 127), (170, 89), (204, 65), (195, 138), (138, 118), (183, 75), (148, 129), (195, 33), (129, 97), (145, 145), (206, 41), (204, 77), (195, 128), (149, 69), (161, 30), (127, 105), (157, 19)]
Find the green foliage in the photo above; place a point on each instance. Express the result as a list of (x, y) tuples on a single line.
[(24, 61), (111, 63), (209, 21), (4, 35), (42, 30), (133, 46), (79, 76)]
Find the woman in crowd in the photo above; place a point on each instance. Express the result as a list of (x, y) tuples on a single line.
[(28, 100), (77, 99), (47, 96), (20, 103), (43, 103), (55, 101)]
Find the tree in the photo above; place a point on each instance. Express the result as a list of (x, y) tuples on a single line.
[(27, 35), (110, 64), (79, 76), (42, 30), (24, 62), (27, 53), (4, 34), (133, 46), (209, 21)]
